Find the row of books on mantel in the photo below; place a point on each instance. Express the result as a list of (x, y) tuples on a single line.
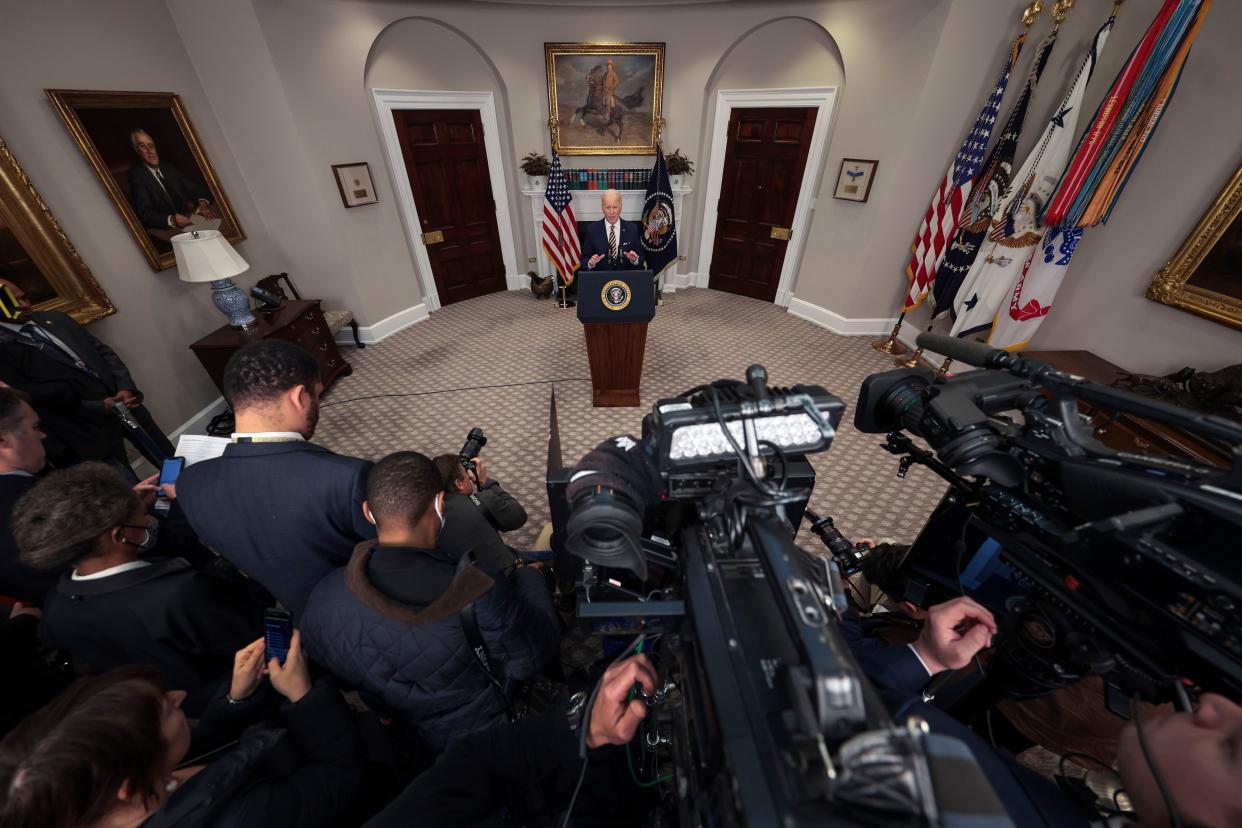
[(589, 179)]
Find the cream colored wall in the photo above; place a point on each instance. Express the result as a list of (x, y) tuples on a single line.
[(280, 90), (319, 52), (122, 45)]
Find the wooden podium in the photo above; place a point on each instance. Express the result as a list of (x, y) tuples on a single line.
[(614, 308)]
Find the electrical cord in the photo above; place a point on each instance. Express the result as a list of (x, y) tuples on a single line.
[(452, 390), (585, 726), (1174, 820)]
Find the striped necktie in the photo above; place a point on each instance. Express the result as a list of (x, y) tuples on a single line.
[(612, 241)]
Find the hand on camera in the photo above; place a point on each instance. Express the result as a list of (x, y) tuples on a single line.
[(953, 633), (480, 471), (615, 717)]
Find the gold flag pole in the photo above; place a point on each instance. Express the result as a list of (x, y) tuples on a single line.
[(891, 345)]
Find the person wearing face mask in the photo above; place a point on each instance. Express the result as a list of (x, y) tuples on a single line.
[(114, 605), (405, 622)]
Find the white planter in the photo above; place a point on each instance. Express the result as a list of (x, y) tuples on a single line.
[(676, 180), (537, 182)]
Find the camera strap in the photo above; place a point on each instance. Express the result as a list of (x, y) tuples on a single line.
[(469, 621)]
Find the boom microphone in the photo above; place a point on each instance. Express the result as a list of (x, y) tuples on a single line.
[(978, 354)]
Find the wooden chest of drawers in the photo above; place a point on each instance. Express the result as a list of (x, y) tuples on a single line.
[(299, 321)]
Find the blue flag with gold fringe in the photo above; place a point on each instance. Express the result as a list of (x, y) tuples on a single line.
[(658, 223)]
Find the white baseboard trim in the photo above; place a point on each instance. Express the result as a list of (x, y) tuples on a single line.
[(517, 281), (837, 323), (381, 330), (198, 423)]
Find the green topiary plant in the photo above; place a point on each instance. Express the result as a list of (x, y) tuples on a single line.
[(678, 164), (536, 163)]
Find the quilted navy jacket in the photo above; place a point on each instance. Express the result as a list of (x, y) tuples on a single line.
[(416, 659)]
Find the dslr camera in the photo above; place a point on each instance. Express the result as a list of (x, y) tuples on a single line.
[(475, 441)]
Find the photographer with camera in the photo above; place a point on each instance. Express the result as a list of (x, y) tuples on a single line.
[(477, 508)]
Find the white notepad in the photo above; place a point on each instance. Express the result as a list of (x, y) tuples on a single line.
[(195, 447)]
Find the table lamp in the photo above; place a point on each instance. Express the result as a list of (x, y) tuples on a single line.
[(205, 256)]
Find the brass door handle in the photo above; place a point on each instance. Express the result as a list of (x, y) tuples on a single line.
[(434, 237), (781, 233)]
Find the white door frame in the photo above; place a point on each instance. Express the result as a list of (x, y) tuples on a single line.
[(388, 101), (824, 100)]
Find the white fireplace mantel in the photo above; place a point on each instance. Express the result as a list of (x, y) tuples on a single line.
[(587, 208)]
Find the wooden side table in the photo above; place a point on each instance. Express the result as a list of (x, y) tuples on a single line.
[(300, 322)]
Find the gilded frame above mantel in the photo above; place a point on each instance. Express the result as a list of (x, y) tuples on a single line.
[(1205, 276), (38, 256)]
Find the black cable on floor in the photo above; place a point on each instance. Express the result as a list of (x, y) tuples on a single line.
[(454, 390)]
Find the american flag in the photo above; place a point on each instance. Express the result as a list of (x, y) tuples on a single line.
[(940, 220), (560, 228)]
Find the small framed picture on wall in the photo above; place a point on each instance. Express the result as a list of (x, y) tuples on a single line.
[(354, 182), (854, 180)]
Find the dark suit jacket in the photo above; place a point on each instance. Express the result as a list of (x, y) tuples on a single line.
[(286, 514), (186, 623), (68, 399), (898, 676), (153, 203), (596, 241)]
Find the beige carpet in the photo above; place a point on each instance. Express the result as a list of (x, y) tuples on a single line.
[(492, 361)]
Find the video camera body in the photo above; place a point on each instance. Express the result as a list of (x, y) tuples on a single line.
[(688, 535), (1096, 562)]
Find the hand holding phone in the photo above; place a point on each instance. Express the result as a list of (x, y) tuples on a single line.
[(169, 473), (277, 633)]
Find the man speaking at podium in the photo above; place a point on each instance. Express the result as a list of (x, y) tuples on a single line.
[(612, 242)]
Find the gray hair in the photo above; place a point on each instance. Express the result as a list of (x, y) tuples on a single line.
[(57, 522), (133, 137)]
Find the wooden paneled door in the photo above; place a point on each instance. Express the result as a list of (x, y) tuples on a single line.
[(764, 160), (447, 166)]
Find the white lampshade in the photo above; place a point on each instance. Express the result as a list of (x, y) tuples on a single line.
[(205, 256)]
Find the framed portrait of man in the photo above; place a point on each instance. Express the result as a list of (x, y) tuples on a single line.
[(1205, 275), (37, 260), (148, 157), (605, 98)]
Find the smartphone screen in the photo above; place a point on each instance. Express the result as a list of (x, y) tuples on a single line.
[(277, 633), (9, 308), (170, 471)]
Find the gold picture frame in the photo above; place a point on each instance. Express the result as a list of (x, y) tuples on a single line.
[(1205, 276), (104, 126), (38, 256), (605, 98)]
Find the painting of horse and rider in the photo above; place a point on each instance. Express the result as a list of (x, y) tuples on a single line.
[(605, 98)]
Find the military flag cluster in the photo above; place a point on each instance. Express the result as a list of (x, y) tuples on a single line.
[(1101, 165), (1016, 227), (994, 246)]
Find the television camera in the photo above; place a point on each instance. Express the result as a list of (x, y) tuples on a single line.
[(1096, 562), (687, 536)]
